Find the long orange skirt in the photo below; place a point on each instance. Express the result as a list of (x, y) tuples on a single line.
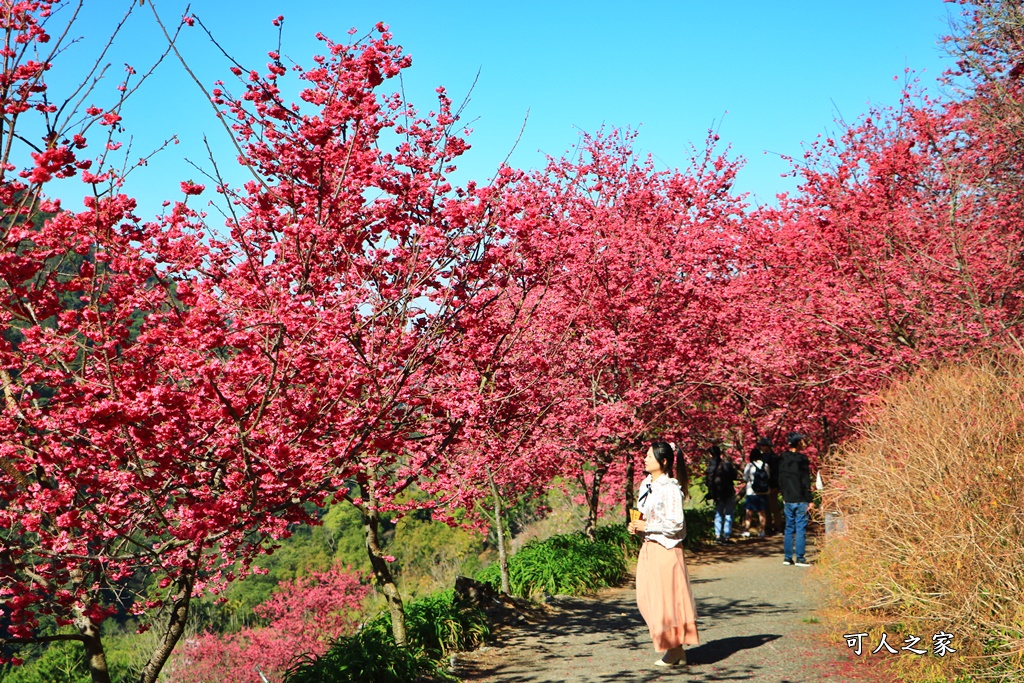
[(664, 597)]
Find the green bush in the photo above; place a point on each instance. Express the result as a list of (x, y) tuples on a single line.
[(436, 625), (365, 657), (64, 661), (60, 662), (617, 536), (567, 564), (700, 526)]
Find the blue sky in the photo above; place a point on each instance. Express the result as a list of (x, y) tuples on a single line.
[(768, 75)]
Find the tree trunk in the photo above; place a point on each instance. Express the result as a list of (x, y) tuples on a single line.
[(175, 625), (500, 529), (593, 501), (95, 658), (381, 571), (826, 437), (629, 493)]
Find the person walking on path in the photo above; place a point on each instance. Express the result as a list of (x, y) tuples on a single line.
[(795, 482), (663, 591), (720, 480), (758, 478), (771, 458)]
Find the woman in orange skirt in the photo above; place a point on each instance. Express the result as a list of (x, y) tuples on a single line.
[(662, 583)]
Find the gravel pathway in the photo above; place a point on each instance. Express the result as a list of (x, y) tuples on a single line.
[(755, 617)]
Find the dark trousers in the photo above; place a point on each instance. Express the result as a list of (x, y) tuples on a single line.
[(776, 523)]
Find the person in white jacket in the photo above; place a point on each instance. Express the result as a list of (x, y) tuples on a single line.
[(663, 591), (757, 474)]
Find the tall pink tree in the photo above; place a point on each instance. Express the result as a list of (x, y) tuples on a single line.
[(898, 251), (498, 381), (176, 395), (362, 258), (640, 252)]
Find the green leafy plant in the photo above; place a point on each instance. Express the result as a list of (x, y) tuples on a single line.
[(700, 526), (439, 625), (566, 564), (436, 626), (64, 661), (617, 536), (369, 656)]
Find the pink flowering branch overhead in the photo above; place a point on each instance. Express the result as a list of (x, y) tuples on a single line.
[(176, 395), (898, 252)]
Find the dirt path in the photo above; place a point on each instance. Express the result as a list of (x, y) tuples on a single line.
[(755, 618)]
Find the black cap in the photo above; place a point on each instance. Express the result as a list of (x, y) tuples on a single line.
[(764, 441), (794, 438)]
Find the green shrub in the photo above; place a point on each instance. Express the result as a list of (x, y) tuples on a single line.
[(60, 662), (617, 536), (567, 564), (436, 625), (64, 661), (365, 657), (700, 526)]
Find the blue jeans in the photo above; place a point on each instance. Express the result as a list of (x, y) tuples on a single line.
[(796, 530), (724, 510)]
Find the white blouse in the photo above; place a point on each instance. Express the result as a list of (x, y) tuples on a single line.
[(661, 502)]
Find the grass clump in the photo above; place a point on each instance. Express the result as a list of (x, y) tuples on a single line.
[(440, 625), (365, 658), (436, 625), (700, 526), (617, 536), (568, 564), (932, 495)]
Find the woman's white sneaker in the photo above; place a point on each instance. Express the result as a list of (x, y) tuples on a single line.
[(674, 657)]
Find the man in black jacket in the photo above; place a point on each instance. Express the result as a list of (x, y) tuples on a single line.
[(795, 482), (721, 481)]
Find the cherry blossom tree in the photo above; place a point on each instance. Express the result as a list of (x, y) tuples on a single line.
[(178, 395), (302, 616), (986, 41), (640, 253), (367, 257), (897, 252), (498, 381)]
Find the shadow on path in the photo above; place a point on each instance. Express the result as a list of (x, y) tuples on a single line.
[(752, 617), (714, 607), (737, 550), (723, 648)]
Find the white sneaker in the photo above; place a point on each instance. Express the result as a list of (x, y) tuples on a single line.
[(674, 657), (746, 534)]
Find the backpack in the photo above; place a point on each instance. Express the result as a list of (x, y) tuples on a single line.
[(759, 483)]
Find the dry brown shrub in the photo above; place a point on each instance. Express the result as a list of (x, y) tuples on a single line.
[(932, 493)]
